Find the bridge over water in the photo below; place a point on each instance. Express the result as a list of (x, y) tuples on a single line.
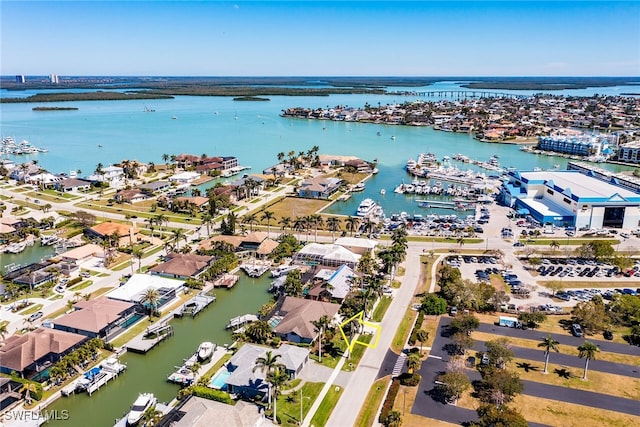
[(458, 94)]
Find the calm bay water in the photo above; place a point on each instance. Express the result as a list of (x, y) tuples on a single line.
[(108, 132)]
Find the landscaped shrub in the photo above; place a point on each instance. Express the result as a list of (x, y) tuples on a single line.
[(74, 281), (34, 394), (212, 394), (387, 406), (418, 325), (410, 380)]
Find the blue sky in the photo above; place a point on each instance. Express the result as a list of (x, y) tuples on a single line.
[(301, 38)]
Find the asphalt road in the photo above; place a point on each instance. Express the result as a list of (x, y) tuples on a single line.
[(532, 334), (428, 406)]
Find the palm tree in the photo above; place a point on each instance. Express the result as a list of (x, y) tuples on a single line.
[(317, 221), (178, 234), (151, 224), (285, 222), (320, 326), (299, 224), (27, 389), (137, 254), (250, 219), (548, 343), (333, 223), (3, 330), (352, 224), (150, 296), (554, 245), (422, 336), (165, 158), (161, 219), (460, 241), (207, 220), (277, 378), (268, 363), (587, 351), (268, 215), (413, 362)]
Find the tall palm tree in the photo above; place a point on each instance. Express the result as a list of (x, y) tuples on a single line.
[(317, 222), (588, 352), (250, 219), (268, 363), (207, 220), (160, 220), (137, 254), (554, 245), (320, 326), (413, 362), (333, 223), (178, 234), (285, 222), (277, 378), (352, 224), (152, 297), (165, 158), (548, 343), (151, 224), (422, 336), (299, 224), (268, 215)]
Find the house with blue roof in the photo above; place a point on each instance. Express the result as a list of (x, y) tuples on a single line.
[(573, 198)]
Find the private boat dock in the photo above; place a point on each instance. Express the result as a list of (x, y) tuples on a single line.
[(122, 422), (150, 338), (195, 305), (226, 281), (241, 320), (255, 269)]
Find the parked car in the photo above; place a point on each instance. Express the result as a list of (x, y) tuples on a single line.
[(35, 316), (608, 335), (576, 330), (453, 311), (485, 359)]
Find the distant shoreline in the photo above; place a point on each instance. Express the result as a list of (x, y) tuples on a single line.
[(54, 108)]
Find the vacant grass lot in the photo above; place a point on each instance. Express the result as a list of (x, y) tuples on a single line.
[(565, 349), (291, 207), (289, 405), (555, 413), (381, 309)]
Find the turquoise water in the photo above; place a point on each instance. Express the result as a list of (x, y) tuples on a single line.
[(110, 131), (31, 254), (219, 380)]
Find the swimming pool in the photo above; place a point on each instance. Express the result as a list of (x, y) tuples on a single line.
[(218, 381)]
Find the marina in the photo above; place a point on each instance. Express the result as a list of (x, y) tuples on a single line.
[(10, 147)]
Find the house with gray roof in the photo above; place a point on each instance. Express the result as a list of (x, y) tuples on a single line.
[(246, 381), (318, 187), (293, 318), (198, 412)]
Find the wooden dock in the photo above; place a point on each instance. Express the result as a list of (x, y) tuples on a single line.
[(241, 320), (195, 305), (226, 281), (150, 338)]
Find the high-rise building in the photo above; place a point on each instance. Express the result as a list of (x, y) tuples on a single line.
[(53, 78), (20, 78)]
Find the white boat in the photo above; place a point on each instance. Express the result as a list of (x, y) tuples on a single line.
[(393, 137), (139, 407), (283, 269), (15, 248), (112, 364), (366, 207), (383, 191), (358, 187), (205, 350), (48, 240)]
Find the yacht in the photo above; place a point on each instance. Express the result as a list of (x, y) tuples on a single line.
[(366, 207), (358, 187), (142, 403), (15, 248), (282, 270), (205, 350)]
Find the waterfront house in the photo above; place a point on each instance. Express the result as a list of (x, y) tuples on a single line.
[(326, 254), (357, 245), (72, 184), (293, 318), (181, 266), (156, 186), (360, 165), (101, 317), (133, 195), (256, 243), (184, 178), (247, 382), (135, 287), (332, 284), (29, 354), (113, 175), (318, 187), (199, 202), (9, 392), (82, 253), (194, 411)]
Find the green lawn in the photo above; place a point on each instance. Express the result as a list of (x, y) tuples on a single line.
[(358, 351), (329, 402), (289, 405), (372, 402), (403, 331), (381, 309), (31, 309), (81, 285)]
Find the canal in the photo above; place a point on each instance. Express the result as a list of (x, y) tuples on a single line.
[(31, 254), (148, 373)]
